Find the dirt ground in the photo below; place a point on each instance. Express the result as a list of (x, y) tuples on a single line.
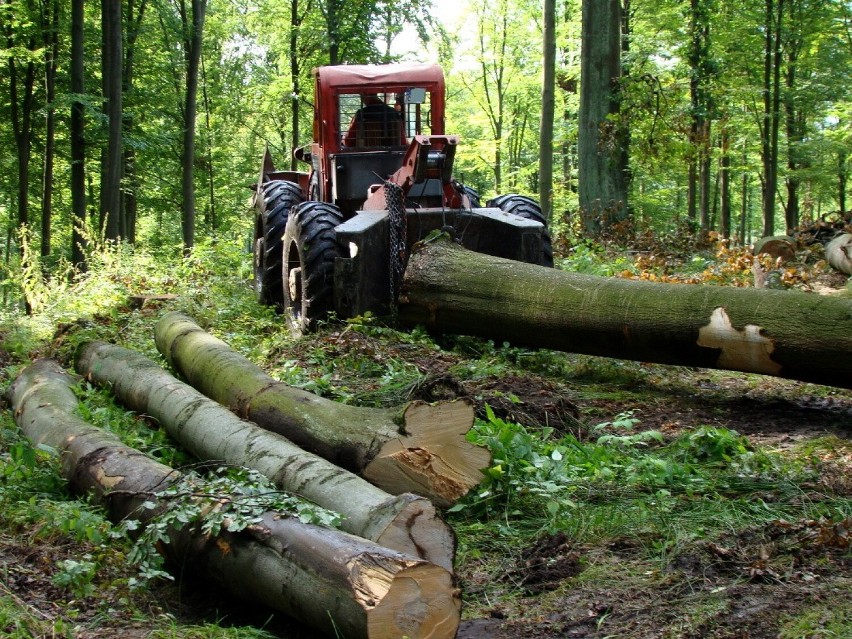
[(740, 589)]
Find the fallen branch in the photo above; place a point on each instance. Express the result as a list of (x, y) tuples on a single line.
[(419, 448), (338, 583), (209, 431)]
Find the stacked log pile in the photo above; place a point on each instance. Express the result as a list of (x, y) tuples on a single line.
[(387, 576), (419, 448), (408, 523)]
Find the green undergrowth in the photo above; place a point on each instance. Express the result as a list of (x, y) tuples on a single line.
[(659, 494), (627, 482)]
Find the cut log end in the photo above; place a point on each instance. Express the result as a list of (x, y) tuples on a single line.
[(434, 455), (421, 602), (418, 529), (838, 252)]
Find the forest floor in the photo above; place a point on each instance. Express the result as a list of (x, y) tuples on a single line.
[(770, 560)]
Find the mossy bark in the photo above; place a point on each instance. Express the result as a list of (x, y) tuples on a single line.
[(788, 334), (336, 582), (420, 448)]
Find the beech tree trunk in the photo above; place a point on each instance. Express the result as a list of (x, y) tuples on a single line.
[(338, 583), (602, 159), (209, 431), (77, 134), (782, 333), (418, 448)]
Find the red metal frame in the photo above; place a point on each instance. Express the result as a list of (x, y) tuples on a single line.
[(332, 81)]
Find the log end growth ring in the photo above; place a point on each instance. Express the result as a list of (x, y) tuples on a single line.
[(421, 603), (433, 458)]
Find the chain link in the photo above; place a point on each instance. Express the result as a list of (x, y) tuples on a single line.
[(395, 203)]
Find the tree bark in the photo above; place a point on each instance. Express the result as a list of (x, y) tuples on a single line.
[(130, 188), (50, 19), (783, 333), (22, 108), (418, 448), (602, 187), (78, 138), (111, 71), (406, 523), (333, 581), (193, 26), (725, 183), (548, 107)]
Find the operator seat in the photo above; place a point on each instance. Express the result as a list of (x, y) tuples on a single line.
[(376, 124)]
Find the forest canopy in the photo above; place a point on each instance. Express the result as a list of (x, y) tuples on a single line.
[(148, 124)]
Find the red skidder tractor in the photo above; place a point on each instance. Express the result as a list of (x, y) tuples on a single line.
[(336, 238)]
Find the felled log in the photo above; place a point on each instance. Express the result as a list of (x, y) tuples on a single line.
[(419, 448), (209, 431), (333, 581), (779, 247), (782, 333), (838, 253)]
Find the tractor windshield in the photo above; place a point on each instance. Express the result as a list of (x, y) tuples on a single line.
[(383, 119)]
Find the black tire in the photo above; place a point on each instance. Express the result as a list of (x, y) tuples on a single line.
[(473, 195), (310, 248), (274, 202), (529, 209)]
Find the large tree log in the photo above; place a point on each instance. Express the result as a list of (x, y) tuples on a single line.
[(418, 448), (209, 431), (783, 333), (336, 582)]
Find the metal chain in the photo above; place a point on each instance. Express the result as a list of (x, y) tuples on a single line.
[(395, 203)]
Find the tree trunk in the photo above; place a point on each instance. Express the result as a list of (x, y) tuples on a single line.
[(193, 27), (771, 110), (725, 183), (78, 138), (331, 580), (548, 107), (51, 62), (295, 81), (22, 108), (783, 333), (130, 189), (416, 448), (209, 431), (111, 68), (602, 189)]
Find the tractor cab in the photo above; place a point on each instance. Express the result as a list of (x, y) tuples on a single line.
[(364, 120)]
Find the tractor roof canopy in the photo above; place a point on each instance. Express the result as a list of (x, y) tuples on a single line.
[(358, 77)]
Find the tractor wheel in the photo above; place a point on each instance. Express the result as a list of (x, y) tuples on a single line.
[(528, 209), (310, 246), (275, 200), (473, 195)]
